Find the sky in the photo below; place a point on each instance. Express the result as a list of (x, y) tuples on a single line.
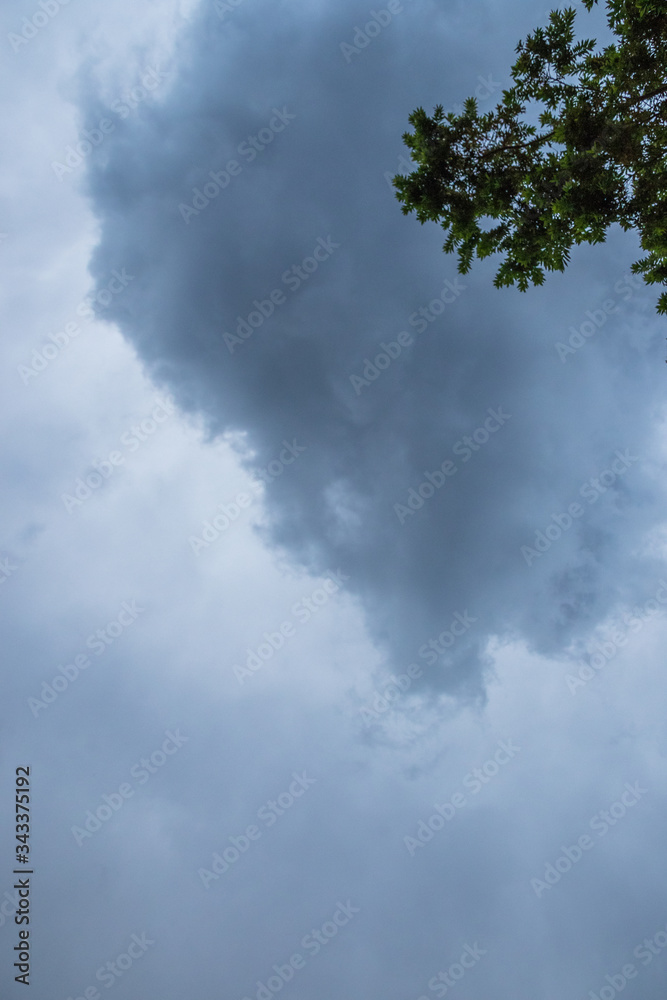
[(332, 581)]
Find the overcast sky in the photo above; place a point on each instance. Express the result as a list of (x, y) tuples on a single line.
[(332, 582)]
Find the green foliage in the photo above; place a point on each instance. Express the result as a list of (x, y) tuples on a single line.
[(598, 156)]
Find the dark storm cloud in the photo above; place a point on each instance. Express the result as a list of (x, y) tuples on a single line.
[(269, 263)]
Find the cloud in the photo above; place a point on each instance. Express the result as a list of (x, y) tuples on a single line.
[(300, 139)]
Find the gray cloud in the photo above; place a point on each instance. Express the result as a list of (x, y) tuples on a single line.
[(200, 313)]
